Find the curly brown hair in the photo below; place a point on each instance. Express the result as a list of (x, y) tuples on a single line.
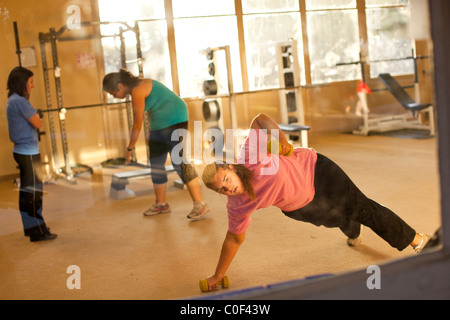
[(244, 174)]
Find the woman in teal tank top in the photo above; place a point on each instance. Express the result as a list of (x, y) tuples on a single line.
[(165, 108), (167, 113)]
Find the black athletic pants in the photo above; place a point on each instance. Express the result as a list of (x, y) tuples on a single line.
[(339, 203), (30, 195), (160, 145)]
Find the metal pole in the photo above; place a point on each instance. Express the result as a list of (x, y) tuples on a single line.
[(16, 35), (62, 119), (51, 121), (140, 62), (127, 99)]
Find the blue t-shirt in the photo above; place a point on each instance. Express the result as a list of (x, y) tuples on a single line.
[(24, 136), (165, 108)]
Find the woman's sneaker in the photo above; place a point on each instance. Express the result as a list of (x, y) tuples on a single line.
[(354, 242), (423, 243), (157, 208), (199, 210)]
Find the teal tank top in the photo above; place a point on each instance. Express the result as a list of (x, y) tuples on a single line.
[(165, 108)]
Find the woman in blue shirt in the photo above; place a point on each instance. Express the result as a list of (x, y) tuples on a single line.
[(167, 113), (23, 123)]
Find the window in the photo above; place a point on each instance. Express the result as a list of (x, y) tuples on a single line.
[(192, 37), (264, 6), (333, 39), (379, 3), (262, 33), (334, 43), (150, 17), (202, 24), (202, 8), (329, 4), (390, 43), (267, 23), (116, 11)]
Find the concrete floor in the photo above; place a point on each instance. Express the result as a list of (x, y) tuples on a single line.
[(123, 255)]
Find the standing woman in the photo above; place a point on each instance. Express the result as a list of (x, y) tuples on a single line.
[(23, 123), (167, 113), (306, 186)]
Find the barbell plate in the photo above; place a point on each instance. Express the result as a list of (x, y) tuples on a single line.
[(210, 87), (211, 69), (211, 110)]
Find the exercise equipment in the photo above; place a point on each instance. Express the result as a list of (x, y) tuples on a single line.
[(291, 105), (217, 90), (262, 290), (53, 37), (16, 37), (275, 147), (412, 119), (204, 284), (210, 87), (211, 110), (400, 94), (66, 172), (211, 69), (118, 189)]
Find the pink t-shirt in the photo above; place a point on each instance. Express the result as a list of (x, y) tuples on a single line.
[(284, 182)]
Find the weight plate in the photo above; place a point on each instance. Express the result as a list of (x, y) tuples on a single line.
[(210, 87), (211, 110), (211, 69)]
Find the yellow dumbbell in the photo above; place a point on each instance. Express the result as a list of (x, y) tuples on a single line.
[(204, 284), (274, 145)]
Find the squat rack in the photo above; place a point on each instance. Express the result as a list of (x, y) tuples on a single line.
[(53, 37)]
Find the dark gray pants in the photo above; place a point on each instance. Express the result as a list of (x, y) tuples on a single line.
[(30, 195), (339, 203)]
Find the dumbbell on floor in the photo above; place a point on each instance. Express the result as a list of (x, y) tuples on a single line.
[(204, 284)]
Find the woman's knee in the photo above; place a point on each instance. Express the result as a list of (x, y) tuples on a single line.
[(188, 172)]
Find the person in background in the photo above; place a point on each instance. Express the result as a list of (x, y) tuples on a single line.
[(167, 113), (23, 124), (306, 186)]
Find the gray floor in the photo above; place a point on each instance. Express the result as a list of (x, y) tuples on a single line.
[(123, 255)]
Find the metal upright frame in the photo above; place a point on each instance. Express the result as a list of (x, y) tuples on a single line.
[(290, 89), (230, 95), (53, 37)]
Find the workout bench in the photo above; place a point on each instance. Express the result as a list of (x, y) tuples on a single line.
[(296, 130), (120, 180), (409, 120)]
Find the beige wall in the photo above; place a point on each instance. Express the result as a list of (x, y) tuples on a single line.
[(79, 86)]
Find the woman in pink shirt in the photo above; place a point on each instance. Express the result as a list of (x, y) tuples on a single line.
[(306, 186)]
